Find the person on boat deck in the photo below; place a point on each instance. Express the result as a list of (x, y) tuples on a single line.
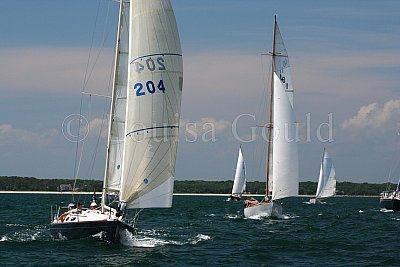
[(78, 209), (71, 206), (93, 205), (250, 202)]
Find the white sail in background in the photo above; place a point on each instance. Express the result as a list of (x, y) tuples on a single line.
[(112, 181), (327, 178), (153, 105), (285, 167), (239, 184)]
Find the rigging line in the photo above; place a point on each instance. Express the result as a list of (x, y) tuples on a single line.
[(91, 166), (80, 108), (261, 112), (78, 167), (97, 57), (85, 79), (110, 80)]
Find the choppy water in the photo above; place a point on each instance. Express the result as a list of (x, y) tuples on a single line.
[(208, 231)]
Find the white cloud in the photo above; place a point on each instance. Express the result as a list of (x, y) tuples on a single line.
[(11, 135), (205, 125), (96, 125), (372, 116)]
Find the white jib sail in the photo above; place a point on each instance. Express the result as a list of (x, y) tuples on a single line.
[(239, 184), (118, 106), (327, 178), (285, 163), (153, 105)]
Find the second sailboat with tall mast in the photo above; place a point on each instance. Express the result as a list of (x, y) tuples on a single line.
[(282, 168)]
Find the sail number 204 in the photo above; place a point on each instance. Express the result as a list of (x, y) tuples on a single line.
[(150, 64), (148, 87)]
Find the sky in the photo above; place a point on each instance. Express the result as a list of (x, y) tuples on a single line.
[(345, 63)]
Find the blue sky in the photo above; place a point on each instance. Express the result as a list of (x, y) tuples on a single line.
[(344, 57)]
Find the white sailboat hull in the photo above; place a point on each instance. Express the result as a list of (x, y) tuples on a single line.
[(270, 209)]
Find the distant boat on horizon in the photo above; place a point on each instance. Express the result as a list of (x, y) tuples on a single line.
[(327, 179), (143, 124), (390, 200), (239, 182), (282, 155)]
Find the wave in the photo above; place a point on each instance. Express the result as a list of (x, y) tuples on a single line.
[(232, 216), (132, 240), (385, 210)]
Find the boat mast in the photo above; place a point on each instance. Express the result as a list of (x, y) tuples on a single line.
[(270, 125), (112, 111)]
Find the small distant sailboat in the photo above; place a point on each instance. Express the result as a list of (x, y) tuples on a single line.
[(239, 184), (327, 179), (390, 200), (282, 156), (143, 123)]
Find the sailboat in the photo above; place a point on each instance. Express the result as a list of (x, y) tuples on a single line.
[(239, 183), (282, 155), (327, 179), (143, 123)]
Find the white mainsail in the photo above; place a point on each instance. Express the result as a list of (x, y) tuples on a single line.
[(116, 135), (239, 184), (327, 178), (285, 167), (153, 105)]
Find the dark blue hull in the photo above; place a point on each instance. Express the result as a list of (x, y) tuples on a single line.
[(390, 203), (76, 230)]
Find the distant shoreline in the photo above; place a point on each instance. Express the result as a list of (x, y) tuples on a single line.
[(175, 194)]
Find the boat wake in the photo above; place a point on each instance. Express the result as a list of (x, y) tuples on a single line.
[(280, 217), (233, 216), (385, 210), (144, 240), (24, 235)]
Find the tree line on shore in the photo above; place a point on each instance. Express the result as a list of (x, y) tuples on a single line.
[(14, 183)]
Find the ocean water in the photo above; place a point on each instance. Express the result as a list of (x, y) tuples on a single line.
[(208, 231)]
